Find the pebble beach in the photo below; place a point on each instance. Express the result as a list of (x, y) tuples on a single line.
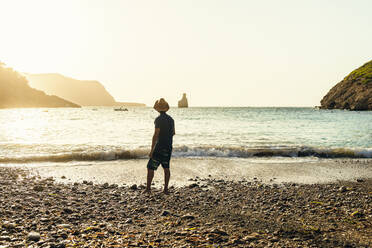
[(42, 212)]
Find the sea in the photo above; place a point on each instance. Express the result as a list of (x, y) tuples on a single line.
[(95, 136)]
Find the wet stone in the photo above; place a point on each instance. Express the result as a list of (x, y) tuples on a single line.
[(193, 185)]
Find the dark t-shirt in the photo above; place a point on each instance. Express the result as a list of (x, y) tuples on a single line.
[(166, 125)]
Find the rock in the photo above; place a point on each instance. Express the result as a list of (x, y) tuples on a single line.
[(183, 103), (219, 232), (237, 241), (188, 217), (92, 229), (8, 225), (64, 235), (342, 189), (252, 236), (193, 185), (354, 92), (274, 239), (165, 213), (60, 245), (38, 188), (33, 236), (19, 245), (5, 238), (68, 210), (357, 214), (64, 226), (102, 225), (133, 187), (360, 180)]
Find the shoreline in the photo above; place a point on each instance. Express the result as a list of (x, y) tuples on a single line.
[(268, 171), (204, 213)]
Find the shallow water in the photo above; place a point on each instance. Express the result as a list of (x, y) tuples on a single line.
[(100, 134)]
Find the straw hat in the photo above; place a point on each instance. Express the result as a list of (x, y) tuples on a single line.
[(161, 105)]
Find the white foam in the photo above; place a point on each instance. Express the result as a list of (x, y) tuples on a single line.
[(199, 151)]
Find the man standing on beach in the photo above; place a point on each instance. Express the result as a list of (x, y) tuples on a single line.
[(162, 142)]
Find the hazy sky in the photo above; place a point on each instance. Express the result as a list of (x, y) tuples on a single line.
[(221, 53)]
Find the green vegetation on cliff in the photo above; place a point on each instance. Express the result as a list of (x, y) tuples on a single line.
[(363, 73), (16, 93), (354, 92)]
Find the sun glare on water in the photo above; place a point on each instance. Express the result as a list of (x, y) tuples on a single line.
[(25, 125)]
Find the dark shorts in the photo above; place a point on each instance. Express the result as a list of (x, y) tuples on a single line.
[(159, 157)]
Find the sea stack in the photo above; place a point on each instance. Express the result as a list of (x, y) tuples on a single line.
[(183, 102), (354, 92)]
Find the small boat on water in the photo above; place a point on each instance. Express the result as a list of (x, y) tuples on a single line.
[(121, 109)]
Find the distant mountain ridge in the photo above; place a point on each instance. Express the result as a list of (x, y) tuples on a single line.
[(16, 93), (82, 92)]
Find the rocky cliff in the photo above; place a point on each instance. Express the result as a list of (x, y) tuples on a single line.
[(354, 92), (183, 103), (16, 93), (83, 92)]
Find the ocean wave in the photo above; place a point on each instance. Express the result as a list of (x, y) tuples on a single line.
[(200, 151), (77, 156), (242, 152)]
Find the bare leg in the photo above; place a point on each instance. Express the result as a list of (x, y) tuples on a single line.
[(166, 180), (150, 176)]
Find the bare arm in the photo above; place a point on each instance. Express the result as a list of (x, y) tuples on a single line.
[(154, 140)]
